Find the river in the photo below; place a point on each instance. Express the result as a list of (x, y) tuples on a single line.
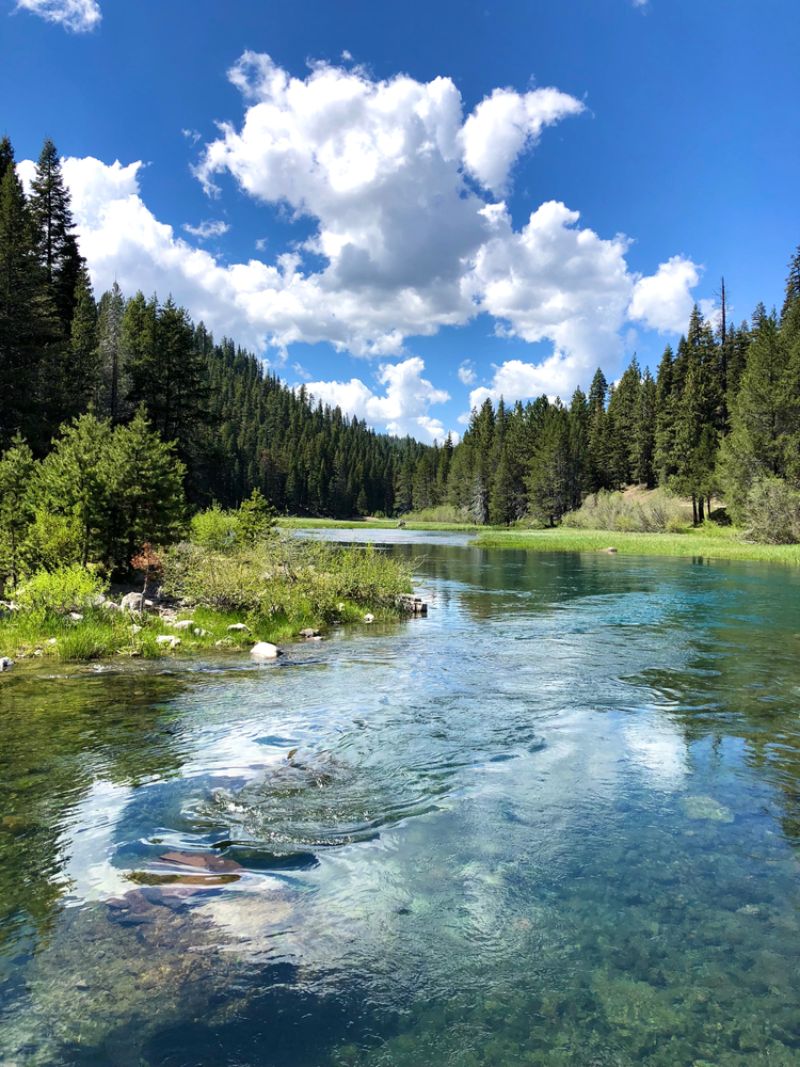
[(556, 822)]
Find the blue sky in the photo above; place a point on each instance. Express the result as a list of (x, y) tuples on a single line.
[(413, 206)]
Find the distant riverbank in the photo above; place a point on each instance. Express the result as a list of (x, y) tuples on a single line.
[(709, 541)]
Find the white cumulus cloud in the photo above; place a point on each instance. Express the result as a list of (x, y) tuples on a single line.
[(664, 300), (466, 373), (79, 16), (404, 406), (389, 172), (504, 124), (207, 228)]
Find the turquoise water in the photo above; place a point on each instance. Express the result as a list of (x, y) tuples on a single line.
[(556, 822)]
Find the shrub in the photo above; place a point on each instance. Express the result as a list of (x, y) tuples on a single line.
[(657, 512), (51, 541), (59, 591), (285, 577), (215, 529), (446, 513), (772, 512)]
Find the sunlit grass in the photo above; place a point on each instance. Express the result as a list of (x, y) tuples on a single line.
[(709, 541)]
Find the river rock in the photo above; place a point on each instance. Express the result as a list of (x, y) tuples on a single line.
[(703, 807), (182, 624), (76, 616), (198, 631), (168, 640), (610, 550), (238, 628), (265, 650), (132, 602), (369, 617), (308, 633), (5, 663)]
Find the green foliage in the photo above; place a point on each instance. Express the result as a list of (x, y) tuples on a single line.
[(144, 490), (51, 541), (73, 480), (285, 578), (16, 471), (658, 511), (60, 591), (215, 529), (772, 512), (256, 519)]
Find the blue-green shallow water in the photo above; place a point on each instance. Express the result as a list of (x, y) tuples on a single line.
[(556, 822)]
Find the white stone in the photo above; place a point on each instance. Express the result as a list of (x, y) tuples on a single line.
[(238, 628), (132, 602), (182, 624), (168, 640), (369, 617), (265, 650)]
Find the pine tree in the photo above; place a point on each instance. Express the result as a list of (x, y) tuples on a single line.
[(72, 480), (598, 439), (28, 325), (664, 457), (81, 375), (113, 380), (645, 433), (6, 157), (549, 479), (16, 511), (623, 416), (57, 245), (141, 484)]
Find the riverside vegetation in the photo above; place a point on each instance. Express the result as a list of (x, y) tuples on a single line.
[(233, 582)]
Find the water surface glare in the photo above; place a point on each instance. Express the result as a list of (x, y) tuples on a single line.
[(555, 823)]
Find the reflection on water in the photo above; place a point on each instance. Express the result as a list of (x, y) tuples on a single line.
[(556, 822)]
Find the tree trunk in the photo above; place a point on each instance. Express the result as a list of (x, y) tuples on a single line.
[(700, 514), (694, 510)]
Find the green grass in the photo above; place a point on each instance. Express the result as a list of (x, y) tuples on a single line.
[(709, 541)]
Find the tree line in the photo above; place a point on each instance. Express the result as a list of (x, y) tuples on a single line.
[(721, 416)]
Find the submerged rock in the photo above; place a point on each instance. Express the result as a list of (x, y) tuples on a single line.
[(265, 650), (706, 808), (203, 861)]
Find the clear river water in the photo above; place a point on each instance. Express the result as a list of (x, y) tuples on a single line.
[(556, 822)]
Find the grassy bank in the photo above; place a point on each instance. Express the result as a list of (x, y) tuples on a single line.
[(709, 541), (275, 589), (409, 521)]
